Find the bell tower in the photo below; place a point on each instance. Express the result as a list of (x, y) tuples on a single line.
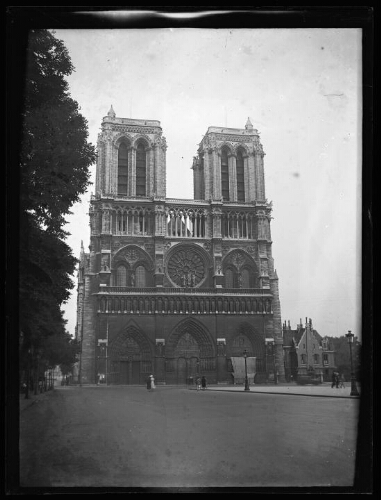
[(229, 165), (131, 158)]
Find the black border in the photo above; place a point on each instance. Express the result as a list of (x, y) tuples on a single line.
[(19, 20)]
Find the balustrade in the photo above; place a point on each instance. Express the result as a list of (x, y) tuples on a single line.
[(237, 225)]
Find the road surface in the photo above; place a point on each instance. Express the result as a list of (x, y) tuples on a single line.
[(175, 437)]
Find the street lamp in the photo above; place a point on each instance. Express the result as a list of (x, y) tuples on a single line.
[(354, 391), (247, 388)]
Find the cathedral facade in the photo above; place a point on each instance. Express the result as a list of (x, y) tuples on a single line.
[(174, 287)]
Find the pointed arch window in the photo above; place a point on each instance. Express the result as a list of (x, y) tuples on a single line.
[(141, 169), (140, 277), (240, 177), (122, 169), (224, 175), (121, 276), (245, 278), (229, 278)]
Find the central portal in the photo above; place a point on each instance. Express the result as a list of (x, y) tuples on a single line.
[(189, 353), (130, 372), (187, 368)]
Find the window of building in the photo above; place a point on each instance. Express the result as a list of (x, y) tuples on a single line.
[(240, 177), (229, 278), (325, 359), (245, 278), (121, 276), (140, 170), (224, 175), (316, 359), (122, 169), (140, 277), (304, 359)]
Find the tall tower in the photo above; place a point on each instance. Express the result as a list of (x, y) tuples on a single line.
[(178, 287)]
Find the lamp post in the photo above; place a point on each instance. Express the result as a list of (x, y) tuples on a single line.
[(247, 388), (354, 391)]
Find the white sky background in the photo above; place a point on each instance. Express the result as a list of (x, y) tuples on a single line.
[(301, 89)]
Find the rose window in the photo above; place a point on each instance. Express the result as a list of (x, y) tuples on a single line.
[(186, 268)]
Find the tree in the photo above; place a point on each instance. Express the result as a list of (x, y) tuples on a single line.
[(55, 154), (60, 349), (342, 355), (54, 171)]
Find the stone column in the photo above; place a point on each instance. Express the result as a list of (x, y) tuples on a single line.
[(207, 176), (252, 183), (150, 172), (100, 167), (132, 173), (163, 170), (277, 327), (260, 177), (216, 158), (232, 177), (248, 196), (88, 333)]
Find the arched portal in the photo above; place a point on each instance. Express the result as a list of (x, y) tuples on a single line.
[(190, 352), (249, 340), (129, 357)]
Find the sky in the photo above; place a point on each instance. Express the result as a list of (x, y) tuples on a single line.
[(302, 90)]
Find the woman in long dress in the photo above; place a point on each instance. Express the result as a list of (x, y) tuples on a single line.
[(152, 382)]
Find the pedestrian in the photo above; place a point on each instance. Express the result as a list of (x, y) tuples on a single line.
[(333, 380), (198, 383), (149, 383), (98, 378), (152, 382), (342, 381), (337, 380), (203, 382)]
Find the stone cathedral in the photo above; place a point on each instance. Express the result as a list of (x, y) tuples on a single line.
[(174, 287)]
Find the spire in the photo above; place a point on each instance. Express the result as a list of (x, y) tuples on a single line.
[(249, 125), (111, 112)]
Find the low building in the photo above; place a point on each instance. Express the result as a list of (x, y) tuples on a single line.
[(305, 351)]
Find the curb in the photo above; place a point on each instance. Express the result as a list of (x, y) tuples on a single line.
[(284, 393)]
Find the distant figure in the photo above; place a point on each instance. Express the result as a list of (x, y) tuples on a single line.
[(198, 383), (335, 380), (342, 381), (152, 382), (203, 382), (98, 378), (149, 383)]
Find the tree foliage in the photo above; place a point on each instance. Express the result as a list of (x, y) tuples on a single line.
[(342, 355), (55, 154), (55, 158)]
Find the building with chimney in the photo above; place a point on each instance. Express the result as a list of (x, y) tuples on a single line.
[(178, 287)]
